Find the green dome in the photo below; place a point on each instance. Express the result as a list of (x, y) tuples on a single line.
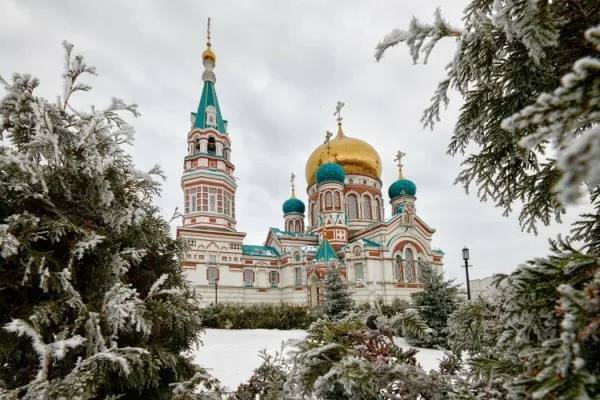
[(402, 187), (330, 172), (292, 205)]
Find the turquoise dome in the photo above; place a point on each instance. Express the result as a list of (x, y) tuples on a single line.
[(402, 187), (292, 205), (330, 172)]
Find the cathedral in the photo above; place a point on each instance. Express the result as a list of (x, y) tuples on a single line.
[(344, 224)]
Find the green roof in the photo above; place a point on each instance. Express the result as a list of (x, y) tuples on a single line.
[(209, 98), (325, 252), (263, 251), (371, 243)]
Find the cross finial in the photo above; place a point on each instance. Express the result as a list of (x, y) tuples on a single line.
[(292, 177), (338, 111), (208, 33), (398, 159)]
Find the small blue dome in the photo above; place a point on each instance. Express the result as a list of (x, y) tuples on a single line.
[(402, 187), (293, 205), (330, 172)]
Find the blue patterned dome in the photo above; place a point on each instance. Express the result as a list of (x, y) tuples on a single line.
[(330, 172), (402, 187), (292, 205)]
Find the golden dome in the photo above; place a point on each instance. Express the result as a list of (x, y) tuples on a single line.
[(355, 155), (208, 54)]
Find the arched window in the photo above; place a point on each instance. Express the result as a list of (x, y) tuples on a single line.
[(352, 206), (274, 278), (297, 256), (337, 201), (328, 201), (367, 210), (212, 146), (359, 272), (298, 276), (398, 275), (378, 202), (315, 214), (248, 278), (212, 274), (409, 266), (289, 226), (298, 226), (197, 146)]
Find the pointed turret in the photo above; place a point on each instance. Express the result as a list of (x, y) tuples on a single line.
[(325, 252), (209, 112)]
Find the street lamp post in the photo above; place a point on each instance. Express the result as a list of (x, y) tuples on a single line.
[(216, 287), (465, 255)]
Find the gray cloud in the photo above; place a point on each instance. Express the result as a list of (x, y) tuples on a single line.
[(281, 66)]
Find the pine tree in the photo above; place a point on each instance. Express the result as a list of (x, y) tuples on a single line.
[(434, 304), (337, 298), (93, 303), (529, 75)]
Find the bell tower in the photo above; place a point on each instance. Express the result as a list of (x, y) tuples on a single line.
[(208, 183)]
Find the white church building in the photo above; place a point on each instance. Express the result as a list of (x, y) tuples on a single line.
[(344, 222)]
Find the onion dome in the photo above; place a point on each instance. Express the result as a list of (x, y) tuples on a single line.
[(293, 205), (330, 172), (356, 157), (402, 187), (208, 54)]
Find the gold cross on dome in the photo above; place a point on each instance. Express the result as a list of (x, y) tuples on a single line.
[(292, 177), (328, 136), (338, 111), (398, 159)]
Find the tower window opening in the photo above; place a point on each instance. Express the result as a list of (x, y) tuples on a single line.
[(211, 148), (328, 201), (367, 211), (352, 206)]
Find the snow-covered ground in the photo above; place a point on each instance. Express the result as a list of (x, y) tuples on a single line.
[(232, 355)]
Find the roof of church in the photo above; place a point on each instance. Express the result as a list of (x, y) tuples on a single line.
[(325, 252), (368, 242), (278, 232), (209, 98), (263, 251)]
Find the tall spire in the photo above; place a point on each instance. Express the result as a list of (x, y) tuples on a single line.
[(209, 58), (338, 115), (398, 159), (209, 113)]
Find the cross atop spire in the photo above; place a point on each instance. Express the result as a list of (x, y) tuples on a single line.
[(338, 111), (398, 160), (208, 33), (292, 177)]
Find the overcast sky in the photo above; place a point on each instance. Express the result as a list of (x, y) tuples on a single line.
[(281, 67)]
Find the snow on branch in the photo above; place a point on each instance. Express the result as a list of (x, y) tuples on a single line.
[(46, 352), (123, 310), (87, 243), (416, 37), (9, 245), (569, 118)]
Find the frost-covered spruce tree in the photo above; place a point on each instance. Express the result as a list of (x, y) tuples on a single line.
[(92, 299), (337, 302), (529, 73), (434, 304)]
